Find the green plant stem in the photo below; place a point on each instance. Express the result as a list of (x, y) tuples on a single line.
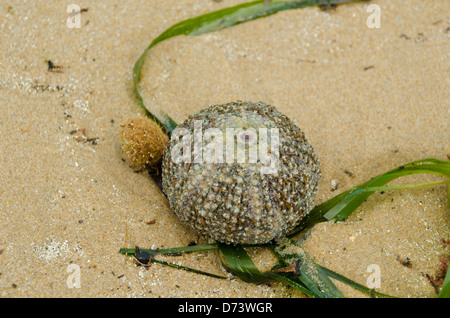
[(342, 205), (171, 251), (211, 22)]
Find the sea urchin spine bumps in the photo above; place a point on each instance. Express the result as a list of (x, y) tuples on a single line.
[(240, 173), (142, 141)]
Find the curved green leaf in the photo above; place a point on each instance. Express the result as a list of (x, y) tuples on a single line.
[(351, 283), (282, 277), (342, 205), (445, 290), (308, 272), (236, 260), (211, 22)]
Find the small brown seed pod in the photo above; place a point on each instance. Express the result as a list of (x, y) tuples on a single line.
[(142, 141)]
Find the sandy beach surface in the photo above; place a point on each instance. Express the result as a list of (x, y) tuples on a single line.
[(368, 99)]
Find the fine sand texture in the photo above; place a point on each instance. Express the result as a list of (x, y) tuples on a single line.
[(368, 99)]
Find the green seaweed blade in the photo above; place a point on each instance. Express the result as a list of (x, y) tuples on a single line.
[(445, 290), (211, 22), (342, 205), (236, 260), (309, 273)]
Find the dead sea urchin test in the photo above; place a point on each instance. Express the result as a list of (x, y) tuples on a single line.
[(240, 173)]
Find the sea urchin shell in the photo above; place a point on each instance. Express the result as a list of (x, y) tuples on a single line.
[(234, 199)]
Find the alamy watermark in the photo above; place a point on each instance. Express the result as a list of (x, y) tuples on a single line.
[(229, 145), (374, 20), (74, 279), (374, 279), (74, 19)]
